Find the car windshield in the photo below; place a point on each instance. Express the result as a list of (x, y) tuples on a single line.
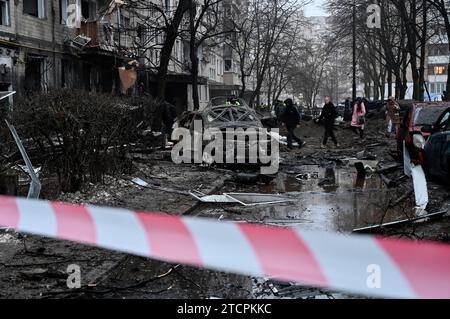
[(427, 115)]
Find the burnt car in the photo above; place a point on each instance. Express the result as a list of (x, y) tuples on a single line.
[(437, 148), (222, 114), (415, 116)]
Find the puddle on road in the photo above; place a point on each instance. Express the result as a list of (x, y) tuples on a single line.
[(337, 180), (331, 200)]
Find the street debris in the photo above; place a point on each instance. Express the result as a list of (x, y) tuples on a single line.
[(143, 183), (424, 217), (355, 188), (223, 199), (242, 199), (420, 187), (35, 186)]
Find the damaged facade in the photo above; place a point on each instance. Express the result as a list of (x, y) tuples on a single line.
[(40, 49)]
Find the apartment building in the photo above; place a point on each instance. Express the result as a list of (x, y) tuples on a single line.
[(437, 66), (229, 80), (81, 44), (41, 49)]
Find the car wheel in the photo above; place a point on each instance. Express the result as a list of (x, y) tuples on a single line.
[(428, 175)]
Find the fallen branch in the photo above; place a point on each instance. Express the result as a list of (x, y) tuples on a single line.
[(107, 289), (398, 223), (402, 198)]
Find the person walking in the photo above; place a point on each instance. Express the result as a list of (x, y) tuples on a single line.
[(393, 110), (359, 118), (329, 115), (291, 119)]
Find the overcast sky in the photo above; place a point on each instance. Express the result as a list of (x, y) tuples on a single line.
[(315, 8)]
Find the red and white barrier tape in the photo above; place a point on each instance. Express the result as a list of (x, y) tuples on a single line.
[(405, 269)]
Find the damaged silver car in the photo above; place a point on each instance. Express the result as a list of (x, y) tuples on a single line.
[(238, 124)]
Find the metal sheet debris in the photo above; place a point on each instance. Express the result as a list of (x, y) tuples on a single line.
[(35, 186), (140, 182), (25, 179), (143, 183), (259, 199), (212, 198), (399, 222), (419, 180), (245, 199), (420, 186)]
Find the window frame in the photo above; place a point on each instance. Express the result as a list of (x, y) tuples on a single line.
[(8, 13), (41, 9)]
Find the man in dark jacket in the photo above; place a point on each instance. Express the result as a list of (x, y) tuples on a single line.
[(329, 115), (291, 118)]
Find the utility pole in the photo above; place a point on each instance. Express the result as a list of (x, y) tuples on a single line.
[(354, 52)]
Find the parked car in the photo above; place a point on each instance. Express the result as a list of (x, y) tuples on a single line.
[(415, 116), (437, 148)]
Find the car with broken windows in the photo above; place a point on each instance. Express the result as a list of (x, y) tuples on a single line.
[(437, 149), (237, 124), (415, 116)]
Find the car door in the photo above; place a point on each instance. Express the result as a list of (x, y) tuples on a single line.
[(437, 148)]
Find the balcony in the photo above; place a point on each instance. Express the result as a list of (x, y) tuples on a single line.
[(90, 30)]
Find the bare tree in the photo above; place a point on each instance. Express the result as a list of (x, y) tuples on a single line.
[(157, 28), (287, 52), (271, 19), (308, 74), (389, 52), (240, 42), (206, 30)]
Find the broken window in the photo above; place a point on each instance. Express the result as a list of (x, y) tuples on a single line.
[(228, 65), (88, 9), (34, 7), (4, 12), (34, 72)]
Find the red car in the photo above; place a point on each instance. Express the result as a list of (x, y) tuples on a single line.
[(416, 115)]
